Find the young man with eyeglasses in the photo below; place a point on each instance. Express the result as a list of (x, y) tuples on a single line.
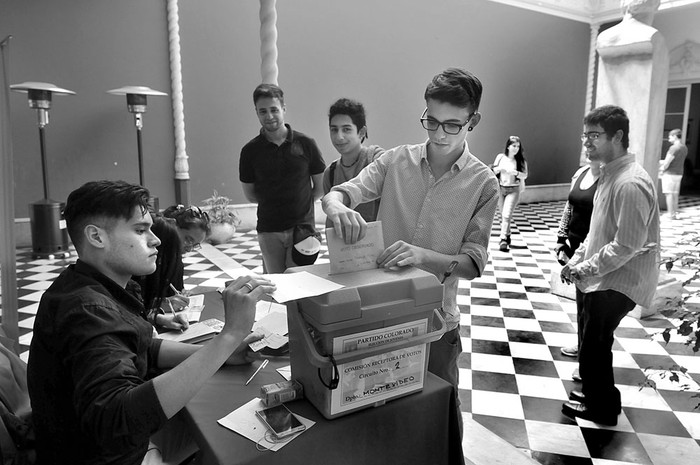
[(616, 267), (438, 203), (281, 170)]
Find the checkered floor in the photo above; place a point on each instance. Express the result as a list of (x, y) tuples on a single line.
[(513, 376)]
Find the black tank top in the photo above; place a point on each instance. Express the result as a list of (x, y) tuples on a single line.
[(581, 208)]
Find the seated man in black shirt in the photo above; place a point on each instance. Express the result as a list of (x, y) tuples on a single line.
[(92, 352)]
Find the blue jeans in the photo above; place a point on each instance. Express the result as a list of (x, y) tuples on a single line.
[(507, 201), (276, 248)]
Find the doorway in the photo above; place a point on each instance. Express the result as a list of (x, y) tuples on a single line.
[(683, 112)]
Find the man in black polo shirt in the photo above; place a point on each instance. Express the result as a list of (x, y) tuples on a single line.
[(282, 171)]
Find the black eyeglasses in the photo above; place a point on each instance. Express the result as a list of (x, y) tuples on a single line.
[(590, 135), (189, 247), (450, 128)]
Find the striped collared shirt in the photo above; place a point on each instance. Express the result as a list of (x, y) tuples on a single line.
[(621, 251), (451, 215)]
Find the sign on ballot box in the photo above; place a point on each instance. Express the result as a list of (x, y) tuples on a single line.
[(371, 380), (367, 342)]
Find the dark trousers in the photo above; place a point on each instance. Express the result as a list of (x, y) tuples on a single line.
[(600, 313), (444, 354)]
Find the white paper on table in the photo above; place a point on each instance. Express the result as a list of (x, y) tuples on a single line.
[(245, 422), (285, 372), (195, 307), (361, 255), (265, 307), (271, 340), (292, 286), (197, 332), (275, 322), (273, 327)]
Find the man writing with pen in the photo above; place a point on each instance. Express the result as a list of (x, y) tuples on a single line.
[(438, 204), (95, 375)]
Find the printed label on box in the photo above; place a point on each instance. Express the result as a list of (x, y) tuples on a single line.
[(378, 337), (380, 377)]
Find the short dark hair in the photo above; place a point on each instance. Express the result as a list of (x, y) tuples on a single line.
[(457, 87), (268, 91), (187, 218), (612, 119), (676, 133), (352, 108), (111, 200)]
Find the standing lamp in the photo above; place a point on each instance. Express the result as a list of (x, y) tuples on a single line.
[(136, 101), (48, 228)]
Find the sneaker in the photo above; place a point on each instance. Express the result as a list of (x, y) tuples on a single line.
[(503, 245), (570, 351)]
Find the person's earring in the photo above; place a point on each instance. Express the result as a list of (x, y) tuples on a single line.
[(470, 129)]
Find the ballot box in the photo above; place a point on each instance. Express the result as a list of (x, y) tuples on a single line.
[(366, 343)]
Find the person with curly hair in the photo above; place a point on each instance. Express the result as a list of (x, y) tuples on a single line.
[(180, 230)]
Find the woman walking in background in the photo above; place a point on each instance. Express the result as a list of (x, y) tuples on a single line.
[(511, 169)]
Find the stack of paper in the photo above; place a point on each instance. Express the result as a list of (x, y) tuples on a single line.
[(197, 332)]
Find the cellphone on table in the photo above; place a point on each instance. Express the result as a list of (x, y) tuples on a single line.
[(280, 421)]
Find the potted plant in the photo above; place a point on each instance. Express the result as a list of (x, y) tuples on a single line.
[(683, 310), (223, 219)]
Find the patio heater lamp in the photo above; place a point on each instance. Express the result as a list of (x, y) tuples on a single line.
[(48, 228), (136, 101)]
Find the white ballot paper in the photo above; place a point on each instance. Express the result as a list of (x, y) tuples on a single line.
[(293, 286), (361, 255), (195, 307), (265, 307), (197, 332), (273, 327), (244, 422), (285, 372)]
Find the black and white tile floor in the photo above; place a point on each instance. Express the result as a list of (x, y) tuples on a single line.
[(513, 378)]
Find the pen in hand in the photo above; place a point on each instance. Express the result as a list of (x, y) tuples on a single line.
[(174, 289), (262, 365), (172, 310)]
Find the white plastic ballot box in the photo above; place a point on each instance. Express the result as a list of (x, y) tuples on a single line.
[(366, 343)]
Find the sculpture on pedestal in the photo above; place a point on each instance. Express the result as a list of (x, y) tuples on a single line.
[(633, 74)]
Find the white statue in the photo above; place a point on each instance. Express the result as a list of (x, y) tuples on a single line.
[(634, 34)]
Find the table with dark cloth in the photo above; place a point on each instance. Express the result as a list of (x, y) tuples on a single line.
[(421, 428)]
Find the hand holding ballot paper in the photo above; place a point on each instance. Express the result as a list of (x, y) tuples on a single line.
[(361, 255)]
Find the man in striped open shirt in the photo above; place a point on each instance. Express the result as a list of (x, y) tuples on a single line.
[(617, 266)]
